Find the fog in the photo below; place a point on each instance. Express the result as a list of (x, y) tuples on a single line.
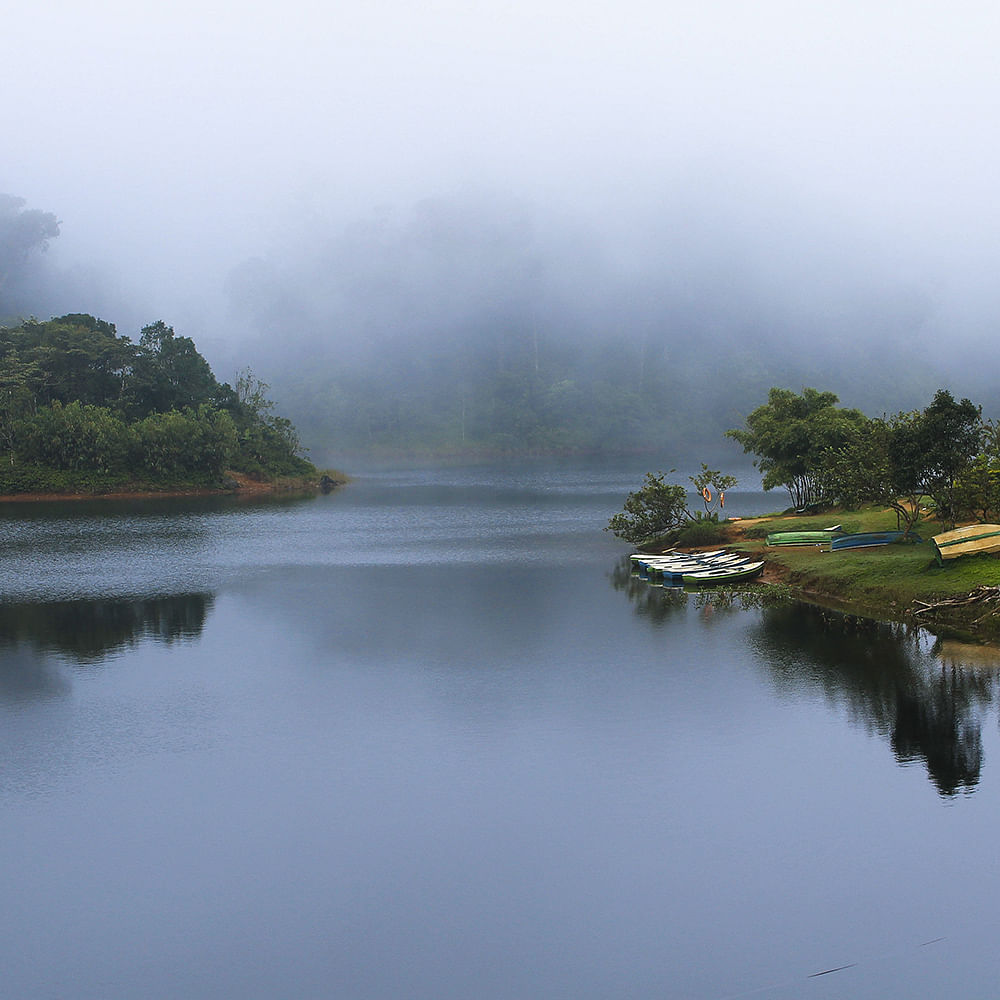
[(291, 184)]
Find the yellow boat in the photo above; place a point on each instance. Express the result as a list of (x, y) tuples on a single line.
[(970, 540)]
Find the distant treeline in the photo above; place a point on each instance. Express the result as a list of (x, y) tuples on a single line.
[(465, 325), (81, 406)]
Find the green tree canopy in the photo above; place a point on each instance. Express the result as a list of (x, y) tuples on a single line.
[(77, 397), (168, 373), (655, 509), (899, 461), (789, 434), (949, 435)]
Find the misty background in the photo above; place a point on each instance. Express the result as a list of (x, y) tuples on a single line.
[(440, 227)]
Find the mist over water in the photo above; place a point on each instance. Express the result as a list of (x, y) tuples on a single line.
[(369, 192)]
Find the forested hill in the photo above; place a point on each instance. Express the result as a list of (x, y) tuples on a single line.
[(84, 408)]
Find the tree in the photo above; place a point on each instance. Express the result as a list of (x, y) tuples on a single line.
[(977, 489), (899, 461), (77, 437), (168, 373), (655, 509), (878, 464), (23, 232), (789, 435), (82, 358), (18, 385), (949, 435)]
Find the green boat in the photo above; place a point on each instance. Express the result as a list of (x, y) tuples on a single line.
[(804, 537)]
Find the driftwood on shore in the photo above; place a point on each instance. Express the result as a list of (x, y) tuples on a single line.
[(977, 605)]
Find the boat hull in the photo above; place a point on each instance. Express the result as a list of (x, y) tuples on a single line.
[(970, 540), (864, 539), (801, 537), (729, 574)]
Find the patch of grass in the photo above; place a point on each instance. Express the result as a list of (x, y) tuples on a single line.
[(882, 581), (703, 532)]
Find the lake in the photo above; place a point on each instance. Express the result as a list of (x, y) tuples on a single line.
[(425, 737)]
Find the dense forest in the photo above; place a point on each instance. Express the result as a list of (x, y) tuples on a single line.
[(84, 408)]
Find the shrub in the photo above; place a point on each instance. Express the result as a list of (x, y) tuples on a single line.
[(705, 531)]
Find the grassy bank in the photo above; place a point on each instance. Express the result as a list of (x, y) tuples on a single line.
[(894, 581)]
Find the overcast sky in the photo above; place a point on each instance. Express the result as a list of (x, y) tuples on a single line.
[(170, 139)]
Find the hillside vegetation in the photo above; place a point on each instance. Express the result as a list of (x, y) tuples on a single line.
[(83, 409)]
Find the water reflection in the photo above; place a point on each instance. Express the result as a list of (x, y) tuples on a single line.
[(889, 680), (653, 602), (926, 696), (87, 630)]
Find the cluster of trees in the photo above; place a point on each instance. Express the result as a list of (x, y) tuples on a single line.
[(825, 455), (945, 455), (660, 510), (77, 397)]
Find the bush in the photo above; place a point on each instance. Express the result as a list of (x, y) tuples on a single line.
[(196, 442), (76, 437), (705, 531)]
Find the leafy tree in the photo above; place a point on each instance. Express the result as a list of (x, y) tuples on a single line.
[(268, 443), (18, 382), (949, 435), (81, 358), (977, 490), (76, 397), (879, 463), (789, 434), (899, 461), (655, 509), (76, 437), (195, 442), (168, 373)]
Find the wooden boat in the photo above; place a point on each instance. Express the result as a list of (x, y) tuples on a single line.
[(973, 539), (862, 539), (803, 537), (724, 574)]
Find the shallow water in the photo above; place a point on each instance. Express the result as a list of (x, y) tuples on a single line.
[(426, 737)]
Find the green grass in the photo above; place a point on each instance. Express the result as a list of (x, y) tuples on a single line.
[(882, 581)]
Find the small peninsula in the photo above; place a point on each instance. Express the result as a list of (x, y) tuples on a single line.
[(910, 476), (85, 412)]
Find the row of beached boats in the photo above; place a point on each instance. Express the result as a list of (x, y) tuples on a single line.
[(839, 539), (697, 569), (969, 540)]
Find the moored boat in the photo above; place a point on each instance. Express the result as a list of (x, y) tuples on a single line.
[(724, 574), (970, 540), (677, 573)]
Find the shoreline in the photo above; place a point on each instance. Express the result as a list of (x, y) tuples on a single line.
[(885, 583), (244, 487)]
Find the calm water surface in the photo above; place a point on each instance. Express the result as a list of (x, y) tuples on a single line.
[(426, 738)]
